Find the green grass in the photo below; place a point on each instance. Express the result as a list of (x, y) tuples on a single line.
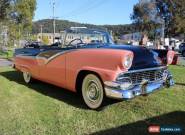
[(8, 54), (44, 109)]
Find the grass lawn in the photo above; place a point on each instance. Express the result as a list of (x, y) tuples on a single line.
[(8, 54), (44, 109)]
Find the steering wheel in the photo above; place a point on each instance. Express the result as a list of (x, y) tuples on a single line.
[(76, 42)]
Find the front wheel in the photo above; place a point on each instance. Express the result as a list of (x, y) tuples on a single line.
[(92, 91), (27, 77)]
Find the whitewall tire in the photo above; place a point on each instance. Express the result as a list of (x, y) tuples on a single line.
[(92, 91)]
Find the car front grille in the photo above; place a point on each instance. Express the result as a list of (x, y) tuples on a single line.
[(138, 76)]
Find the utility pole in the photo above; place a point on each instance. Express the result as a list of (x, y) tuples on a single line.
[(54, 23), (41, 31), (163, 31)]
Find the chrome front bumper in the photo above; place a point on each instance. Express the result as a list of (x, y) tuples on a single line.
[(114, 91)]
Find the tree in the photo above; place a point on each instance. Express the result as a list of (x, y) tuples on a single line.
[(157, 12), (19, 18), (177, 8), (4, 5), (144, 16)]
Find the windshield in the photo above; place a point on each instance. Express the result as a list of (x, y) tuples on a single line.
[(75, 36)]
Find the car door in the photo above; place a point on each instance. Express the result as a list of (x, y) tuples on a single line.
[(52, 68)]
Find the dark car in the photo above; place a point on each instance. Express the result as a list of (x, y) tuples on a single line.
[(182, 49)]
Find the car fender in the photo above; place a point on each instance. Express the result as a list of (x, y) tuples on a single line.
[(107, 63)]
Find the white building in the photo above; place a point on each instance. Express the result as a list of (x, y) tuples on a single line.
[(49, 36)]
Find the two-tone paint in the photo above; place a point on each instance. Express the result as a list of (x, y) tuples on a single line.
[(65, 68)]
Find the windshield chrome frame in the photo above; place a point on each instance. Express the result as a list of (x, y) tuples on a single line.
[(109, 39)]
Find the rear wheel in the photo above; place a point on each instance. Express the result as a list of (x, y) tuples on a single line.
[(92, 91), (27, 77)]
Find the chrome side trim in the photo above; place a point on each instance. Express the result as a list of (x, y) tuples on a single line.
[(26, 56), (45, 59), (58, 54)]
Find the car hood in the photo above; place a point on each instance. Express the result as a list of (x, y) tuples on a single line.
[(143, 57)]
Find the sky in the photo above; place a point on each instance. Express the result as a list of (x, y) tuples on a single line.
[(97, 12)]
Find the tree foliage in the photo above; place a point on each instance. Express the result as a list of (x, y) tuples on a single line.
[(151, 14), (23, 12), (4, 6), (145, 16), (17, 15), (177, 8)]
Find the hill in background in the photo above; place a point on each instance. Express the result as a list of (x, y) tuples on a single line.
[(61, 25)]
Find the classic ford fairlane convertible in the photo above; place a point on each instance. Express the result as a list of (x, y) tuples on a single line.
[(97, 68)]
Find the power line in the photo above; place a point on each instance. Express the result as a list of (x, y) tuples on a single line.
[(41, 31), (86, 8), (80, 7), (54, 22)]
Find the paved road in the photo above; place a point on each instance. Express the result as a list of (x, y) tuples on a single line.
[(4, 63)]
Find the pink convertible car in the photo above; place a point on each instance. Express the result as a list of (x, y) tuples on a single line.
[(97, 69)]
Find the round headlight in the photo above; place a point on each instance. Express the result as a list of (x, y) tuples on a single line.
[(127, 62)]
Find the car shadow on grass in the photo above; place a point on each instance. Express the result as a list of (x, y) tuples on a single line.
[(52, 91), (181, 84), (176, 119)]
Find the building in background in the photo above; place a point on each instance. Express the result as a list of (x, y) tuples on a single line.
[(47, 38)]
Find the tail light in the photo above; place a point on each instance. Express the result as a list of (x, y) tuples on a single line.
[(170, 57)]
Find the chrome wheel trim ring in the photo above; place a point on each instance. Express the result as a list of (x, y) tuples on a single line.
[(27, 77)]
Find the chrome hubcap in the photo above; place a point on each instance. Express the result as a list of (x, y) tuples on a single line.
[(93, 92)]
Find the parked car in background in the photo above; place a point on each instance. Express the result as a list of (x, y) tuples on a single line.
[(33, 48), (182, 49), (99, 69)]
